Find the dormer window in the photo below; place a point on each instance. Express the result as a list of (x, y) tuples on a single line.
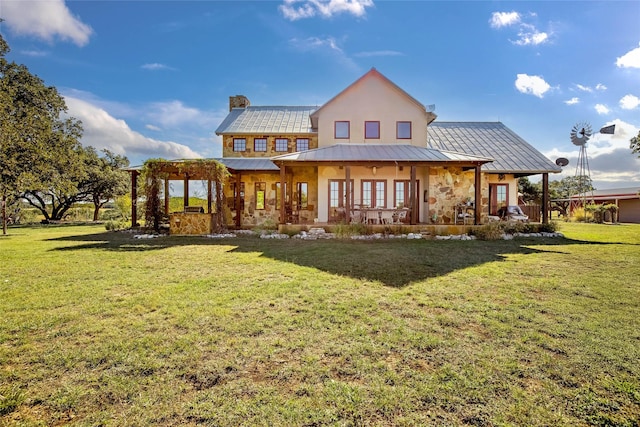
[(239, 144), (302, 144), (403, 130), (282, 144), (342, 130), (372, 130)]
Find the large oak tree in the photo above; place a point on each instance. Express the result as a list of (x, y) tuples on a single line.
[(41, 158)]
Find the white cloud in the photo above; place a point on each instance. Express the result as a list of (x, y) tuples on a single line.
[(101, 130), (602, 109), (312, 43), (35, 53), (504, 19), (629, 102), (155, 66), (584, 88), (630, 59), (153, 128), (572, 101), (175, 114), (529, 35), (600, 86), (532, 85), (299, 9), (611, 162), (45, 19)]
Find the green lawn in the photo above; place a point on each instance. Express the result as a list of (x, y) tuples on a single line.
[(98, 328)]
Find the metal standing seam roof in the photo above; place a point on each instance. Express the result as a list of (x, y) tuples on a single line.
[(378, 152), (510, 152), (248, 164), (267, 119)]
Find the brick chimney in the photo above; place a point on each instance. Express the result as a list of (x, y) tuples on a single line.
[(238, 101)]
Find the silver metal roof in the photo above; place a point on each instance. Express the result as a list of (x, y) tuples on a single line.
[(510, 152), (268, 119), (378, 152), (248, 164)]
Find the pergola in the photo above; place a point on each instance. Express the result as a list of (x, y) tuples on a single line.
[(209, 170)]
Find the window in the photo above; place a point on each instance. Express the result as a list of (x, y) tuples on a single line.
[(302, 144), (261, 190), (282, 144), (403, 130), (372, 130), (302, 195), (260, 144), (342, 130), (278, 197), (239, 144), (374, 193)]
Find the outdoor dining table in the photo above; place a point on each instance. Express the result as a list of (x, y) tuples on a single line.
[(378, 215)]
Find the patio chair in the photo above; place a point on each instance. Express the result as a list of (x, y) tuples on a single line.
[(400, 217), (386, 216)]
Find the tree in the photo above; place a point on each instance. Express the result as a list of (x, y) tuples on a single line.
[(97, 180), (531, 193), (634, 144), (106, 178), (560, 192), (37, 147)]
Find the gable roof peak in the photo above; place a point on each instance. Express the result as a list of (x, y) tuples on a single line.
[(372, 73)]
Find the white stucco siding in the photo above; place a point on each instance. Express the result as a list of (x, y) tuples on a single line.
[(372, 99), (511, 181)]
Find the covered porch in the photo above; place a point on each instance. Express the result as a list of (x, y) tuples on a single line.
[(391, 184)]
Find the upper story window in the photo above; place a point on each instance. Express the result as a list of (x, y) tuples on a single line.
[(372, 130), (282, 144), (342, 130), (260, 144), (302, 144), (403, 130), (239, 144)]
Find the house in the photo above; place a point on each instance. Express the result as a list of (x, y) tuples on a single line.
[(626, 199), (373, 152)]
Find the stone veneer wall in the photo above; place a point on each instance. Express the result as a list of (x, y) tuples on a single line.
[(253, 217), (190, 223), (449, 186), (227, 144)]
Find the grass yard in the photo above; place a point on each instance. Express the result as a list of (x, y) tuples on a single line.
[(98, 328)]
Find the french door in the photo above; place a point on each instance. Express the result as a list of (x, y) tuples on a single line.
[(498, 197), (337, 199)]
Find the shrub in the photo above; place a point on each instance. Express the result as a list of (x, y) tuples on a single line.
[(550, 227), (344, 231), (490, 231), (115, 225)]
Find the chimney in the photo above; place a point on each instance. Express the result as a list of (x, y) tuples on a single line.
[(238, 101)]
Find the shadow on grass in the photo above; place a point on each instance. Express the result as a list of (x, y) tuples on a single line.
[(394, 262)]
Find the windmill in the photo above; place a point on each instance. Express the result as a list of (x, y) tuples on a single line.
[(580, 134)]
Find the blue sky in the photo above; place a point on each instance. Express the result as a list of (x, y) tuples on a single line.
[(152, 79)]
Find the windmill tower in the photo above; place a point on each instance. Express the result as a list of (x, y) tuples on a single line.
[(580, 134)]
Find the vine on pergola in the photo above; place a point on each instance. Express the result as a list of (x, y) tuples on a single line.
[(155, 171)]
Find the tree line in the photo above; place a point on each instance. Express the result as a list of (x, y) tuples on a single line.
[(42, 162)]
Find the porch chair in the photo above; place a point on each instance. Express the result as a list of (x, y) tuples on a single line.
[(401, 216), (386, 216)]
